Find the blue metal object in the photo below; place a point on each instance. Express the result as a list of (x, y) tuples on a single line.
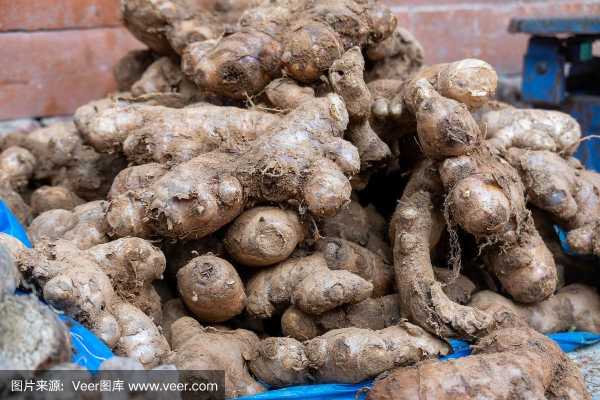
[(560, 72)]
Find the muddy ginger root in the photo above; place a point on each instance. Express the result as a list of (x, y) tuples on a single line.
[(373, 313), (486, 198), (306, 282), (81, 284), (17, 166), (511, 362), (153, 133), (530, 129), (48, 198), (301, 160), (205, 348), (398, 57), (348, 355), (33, 337), (564, 189), (415, 230), (85, 225), (131, 66), (264, 236), (574, 306), (301, 39), (211, 288)]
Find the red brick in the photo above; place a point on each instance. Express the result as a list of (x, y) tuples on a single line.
[(57, 14), (52, 73)]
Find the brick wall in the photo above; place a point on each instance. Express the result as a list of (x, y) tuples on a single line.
[(58, 54)]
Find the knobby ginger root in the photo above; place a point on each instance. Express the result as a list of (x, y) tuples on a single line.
[(348, 355), (572, 307), (264, 236), (203, 348), (342, 254), (80, 282), (373, 313), (346, 77), (565, 190), (153, 133), (486, 197), (398, 57), (509, 363), (414, 229), (301, 160), (14, 201), (17, 166), (531, 130), (85, 226), (48, 198), (307, 283), (211, 288), (300, 38)]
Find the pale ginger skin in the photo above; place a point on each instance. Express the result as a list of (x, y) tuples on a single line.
[(263, 236), (48, 198), (574, 306), (205, 348), (17, 166), (301, 39), (85, 225), (211, 289), (301, 160), (348, 355), (509, 363), (306, 282), (564, 189), (530, 129), (81, 284), (33, 337)]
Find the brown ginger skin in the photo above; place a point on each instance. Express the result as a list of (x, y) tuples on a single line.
[(398, 57), (509, 363), (281, 361), (264, 236), (372, 313), (211, 288), (301, 159), (575, 306), (17, 166), (486, 197), (303, 39), (205, 348), (154, 133), (85, 225), (48, 198), (81, 284), (414, 227), (131, 66), (306, 282), (342, 254)]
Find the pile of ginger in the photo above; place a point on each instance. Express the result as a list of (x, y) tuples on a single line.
[(282, 190)]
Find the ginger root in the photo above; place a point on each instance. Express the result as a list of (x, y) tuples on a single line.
[(264, 236), (574, 306), (211, 288), (307, 283), (48, 198), (508, 363)]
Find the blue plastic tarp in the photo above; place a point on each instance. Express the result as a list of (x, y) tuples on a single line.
[(88, 350)]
